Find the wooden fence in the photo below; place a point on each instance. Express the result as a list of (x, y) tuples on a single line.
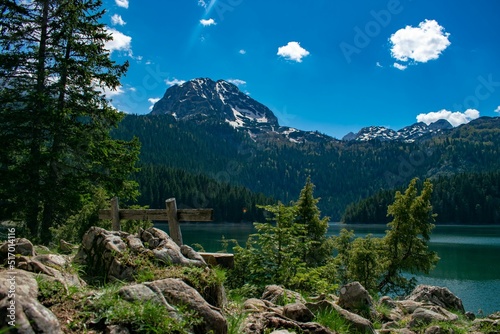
[(170, 214)]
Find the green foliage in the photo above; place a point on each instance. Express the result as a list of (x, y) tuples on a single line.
[(343, 244), (366, 261), (406, 242), (54, 118), (379, 263), (50, 291), (282, 250), (315, 247)]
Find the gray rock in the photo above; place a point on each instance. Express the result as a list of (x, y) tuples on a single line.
[(30, 316), (176, 292), (422, 316), (279, 295), (354, 297), (22, 246), (438, 296), (438, 330), (298, 312)]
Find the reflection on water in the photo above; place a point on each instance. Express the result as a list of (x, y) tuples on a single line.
[(469, 265)]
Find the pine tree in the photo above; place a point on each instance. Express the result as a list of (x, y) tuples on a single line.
[(317, 248), (406, 242), (54, 116)]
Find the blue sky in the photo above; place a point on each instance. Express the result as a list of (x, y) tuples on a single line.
[(326, 65)]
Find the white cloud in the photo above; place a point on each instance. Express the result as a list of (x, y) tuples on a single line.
[(400, 66), (120, 41), (117, 20), (237, 82), (242, 52), (174, 81), (122, 3), (293, 51), (421, 44), (208, 22), (153, 100), (455, 118), (378, 64), (497, 109), (202, 3)]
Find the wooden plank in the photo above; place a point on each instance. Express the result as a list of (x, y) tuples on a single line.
[(115, 214), (173, 224), (190, 215)]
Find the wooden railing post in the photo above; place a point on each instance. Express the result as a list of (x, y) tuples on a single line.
[(115, 214), (173, 223)]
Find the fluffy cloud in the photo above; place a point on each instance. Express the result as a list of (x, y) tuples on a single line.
[(120, 41), (242, 52), (293, 51), (237, 82), (400, 66), (208, 22), (497, 109), (455, 118), (122, 3), (117, 20), (153, 100), (421, 44), (174, 81)]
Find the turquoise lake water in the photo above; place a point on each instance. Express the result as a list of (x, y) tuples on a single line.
[(469, 265)]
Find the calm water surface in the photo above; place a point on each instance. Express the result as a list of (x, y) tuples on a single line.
[(469, 265)]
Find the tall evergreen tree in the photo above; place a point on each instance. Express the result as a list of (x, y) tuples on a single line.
[(406, 242), (54, 116), (317, 249)]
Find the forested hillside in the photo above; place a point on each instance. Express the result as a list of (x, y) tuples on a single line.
[(465, 198), (343, 172)]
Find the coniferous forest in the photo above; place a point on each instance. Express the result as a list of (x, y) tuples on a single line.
[(462, 162)]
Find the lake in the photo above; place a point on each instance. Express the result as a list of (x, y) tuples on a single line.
[(469, 265)]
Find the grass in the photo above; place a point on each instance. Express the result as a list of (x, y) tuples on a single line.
[(330, 318)]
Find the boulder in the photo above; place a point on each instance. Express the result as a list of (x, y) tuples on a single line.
[(438, 330), (22, 246), (438, 296), (279, 295), (298, 312), (422, 316), (354, 298), (28, 314), (176, 292)]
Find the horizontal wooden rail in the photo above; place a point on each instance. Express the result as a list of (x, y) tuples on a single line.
[(194, 215)]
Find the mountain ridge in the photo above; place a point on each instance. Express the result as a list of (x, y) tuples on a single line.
[(203, 99)]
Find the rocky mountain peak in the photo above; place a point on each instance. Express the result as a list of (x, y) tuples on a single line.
[(203, 99)]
